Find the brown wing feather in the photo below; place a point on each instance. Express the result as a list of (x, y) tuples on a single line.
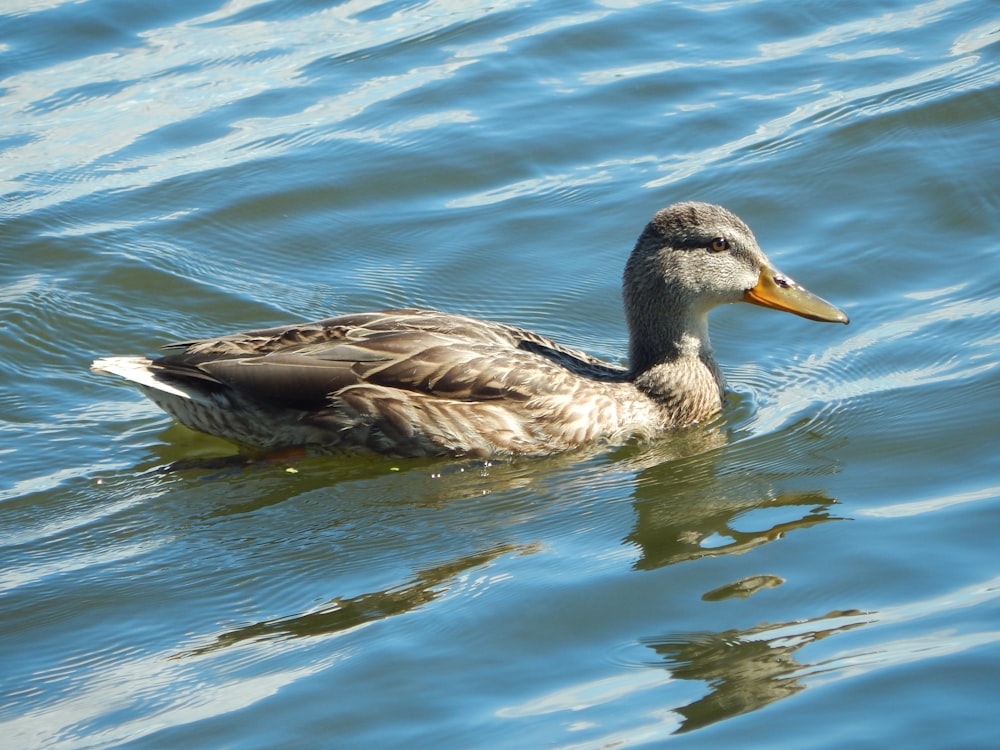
[(421, 352)]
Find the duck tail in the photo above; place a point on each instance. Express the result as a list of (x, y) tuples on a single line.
[(139, 370)]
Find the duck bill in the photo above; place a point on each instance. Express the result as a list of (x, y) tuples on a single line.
[(779, 292)]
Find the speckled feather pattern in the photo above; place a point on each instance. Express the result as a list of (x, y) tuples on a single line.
[(405, 382)]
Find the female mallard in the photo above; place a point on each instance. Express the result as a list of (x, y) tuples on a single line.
[(417, 382)]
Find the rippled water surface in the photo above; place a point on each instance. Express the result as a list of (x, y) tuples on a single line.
[(820, 569)]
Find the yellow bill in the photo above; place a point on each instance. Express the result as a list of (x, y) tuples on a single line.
[(779, 292)]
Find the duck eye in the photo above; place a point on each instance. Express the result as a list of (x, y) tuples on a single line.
[(719, 244)]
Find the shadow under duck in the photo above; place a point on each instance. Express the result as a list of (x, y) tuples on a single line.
[(419, 382)]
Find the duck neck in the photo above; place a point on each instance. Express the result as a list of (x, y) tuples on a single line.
[(666, 340), (670, 358)]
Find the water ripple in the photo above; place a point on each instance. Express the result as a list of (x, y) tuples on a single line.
[(172, 170)]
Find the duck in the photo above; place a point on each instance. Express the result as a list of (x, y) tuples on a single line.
[(416, 382)]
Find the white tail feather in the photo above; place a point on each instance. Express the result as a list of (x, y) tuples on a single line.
[(136, 369)]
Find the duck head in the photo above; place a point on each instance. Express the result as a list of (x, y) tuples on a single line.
[(691, 258)]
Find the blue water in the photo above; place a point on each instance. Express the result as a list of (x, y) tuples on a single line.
[(819, 569)]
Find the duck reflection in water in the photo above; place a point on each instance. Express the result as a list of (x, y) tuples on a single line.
[(745, 669), (680, 499)]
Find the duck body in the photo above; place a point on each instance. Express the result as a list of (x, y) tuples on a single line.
[(403, 382), (419, 382)]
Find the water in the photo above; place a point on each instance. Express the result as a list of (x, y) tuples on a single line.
[(818, 571)]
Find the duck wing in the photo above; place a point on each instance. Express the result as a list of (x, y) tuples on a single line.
[(424, 353)]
